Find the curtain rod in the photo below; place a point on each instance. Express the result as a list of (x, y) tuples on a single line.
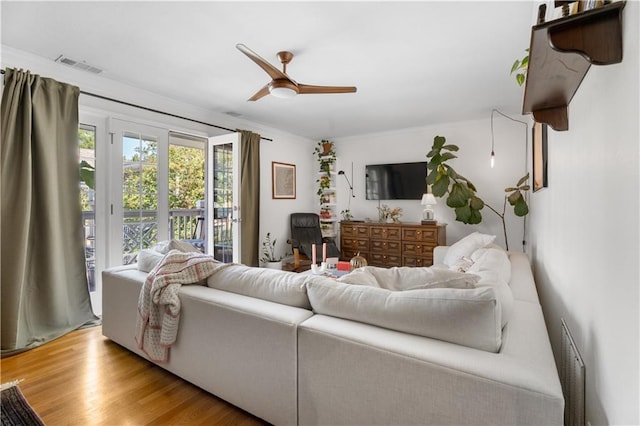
[(158, 111)]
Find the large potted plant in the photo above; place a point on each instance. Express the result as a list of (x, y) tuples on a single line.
[(461, 192), (269, 258)]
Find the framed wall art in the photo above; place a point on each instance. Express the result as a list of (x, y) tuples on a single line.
[(283, 181), (539, 156)]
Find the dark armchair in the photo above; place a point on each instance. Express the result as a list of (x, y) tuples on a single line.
[(305, 231)]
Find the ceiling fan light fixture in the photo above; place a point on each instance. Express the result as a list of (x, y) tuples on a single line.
[(283, 89)]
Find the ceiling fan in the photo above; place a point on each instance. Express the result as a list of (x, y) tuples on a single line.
[(281, 85)]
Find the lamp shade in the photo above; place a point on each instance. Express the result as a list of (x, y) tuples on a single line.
[(428, 200), (282, 89)]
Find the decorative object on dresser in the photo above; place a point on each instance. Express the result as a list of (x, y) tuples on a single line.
[(389, 215), (391, 244), (346, 215), (428, 215)]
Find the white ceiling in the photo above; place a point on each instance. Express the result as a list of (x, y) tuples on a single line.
[(414, 63)]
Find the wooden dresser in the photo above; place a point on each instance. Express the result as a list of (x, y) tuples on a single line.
[(391, 244)]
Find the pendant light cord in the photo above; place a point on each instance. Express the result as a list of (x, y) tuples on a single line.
[(526, 162)]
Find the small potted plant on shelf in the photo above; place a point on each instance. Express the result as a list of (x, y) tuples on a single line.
[(327, 229), (326, 155), (269, 258), (325, 183), (325, 213)]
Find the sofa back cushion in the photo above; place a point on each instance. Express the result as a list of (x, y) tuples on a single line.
[(469, 317), (273, 285)]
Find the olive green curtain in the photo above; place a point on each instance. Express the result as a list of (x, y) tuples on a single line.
[(250, 197), (44, 286)]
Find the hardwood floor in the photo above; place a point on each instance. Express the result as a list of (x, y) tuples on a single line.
[(84, 378)]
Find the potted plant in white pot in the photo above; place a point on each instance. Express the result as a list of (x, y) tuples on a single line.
[(269, 258)]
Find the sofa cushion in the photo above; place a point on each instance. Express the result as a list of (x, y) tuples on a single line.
[(504, 295), (274, 285), (469, 317), (407, 278), (491, 259), (466, 246)]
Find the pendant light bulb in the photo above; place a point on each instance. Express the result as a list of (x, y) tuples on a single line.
[(493, 159)]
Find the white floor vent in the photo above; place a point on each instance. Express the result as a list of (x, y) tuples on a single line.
[(83, 66), (572, 374)]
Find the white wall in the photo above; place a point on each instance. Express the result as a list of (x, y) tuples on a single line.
[(274, 214), (584, 233), (474, 140)]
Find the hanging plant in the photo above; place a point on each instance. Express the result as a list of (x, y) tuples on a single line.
[(326, 154), (520, 67), (461, 192)]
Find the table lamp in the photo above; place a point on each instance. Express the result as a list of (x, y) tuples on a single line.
[(428, 215)]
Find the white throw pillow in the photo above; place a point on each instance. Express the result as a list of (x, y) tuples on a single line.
[(360, 276), (165, 246), (463, 264), (466, 246), (466, 281), (406, 278), (466, 317), (148, 259), (492, 259)]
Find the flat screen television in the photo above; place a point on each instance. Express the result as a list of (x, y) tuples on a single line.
[(398, 181)]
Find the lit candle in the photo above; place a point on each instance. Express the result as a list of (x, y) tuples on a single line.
[(313, 254), (324, 252)]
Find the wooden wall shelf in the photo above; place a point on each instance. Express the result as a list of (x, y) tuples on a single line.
[(560, 55)]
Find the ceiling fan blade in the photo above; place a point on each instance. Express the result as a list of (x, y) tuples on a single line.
[(260, 93), (273, 72), (307, 89)]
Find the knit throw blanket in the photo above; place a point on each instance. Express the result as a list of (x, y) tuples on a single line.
[(159, 305)]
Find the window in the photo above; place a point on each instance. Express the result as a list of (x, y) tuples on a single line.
[(87, 164)]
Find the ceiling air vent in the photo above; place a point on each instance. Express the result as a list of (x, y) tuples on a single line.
[(83, 66)]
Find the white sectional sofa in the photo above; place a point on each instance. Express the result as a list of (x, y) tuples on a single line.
[(258, 342)]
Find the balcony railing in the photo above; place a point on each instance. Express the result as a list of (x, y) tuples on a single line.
[(140, 230)]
